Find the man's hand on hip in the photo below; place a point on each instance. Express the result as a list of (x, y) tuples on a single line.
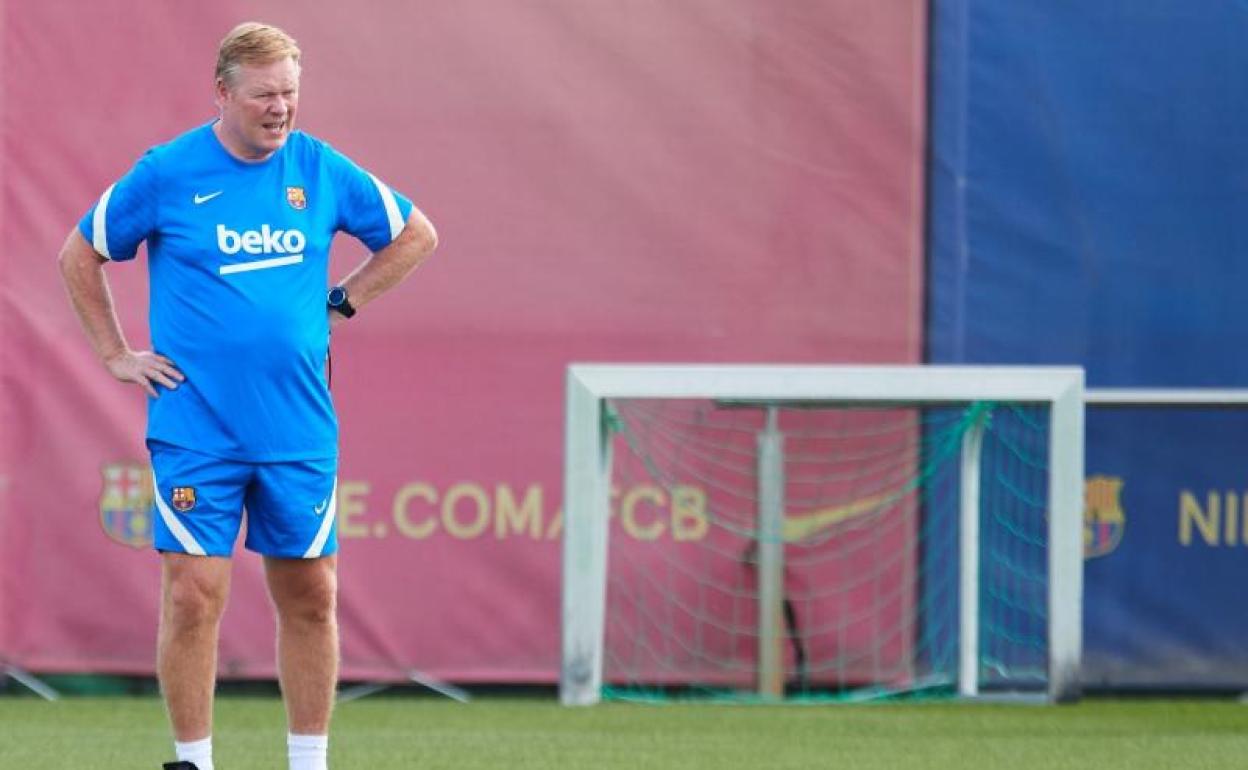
[(146, 369)]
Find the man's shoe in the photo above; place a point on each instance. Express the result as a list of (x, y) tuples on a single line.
[(179, 766)]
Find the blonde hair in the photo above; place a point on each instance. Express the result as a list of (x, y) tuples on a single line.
[(253, 43)]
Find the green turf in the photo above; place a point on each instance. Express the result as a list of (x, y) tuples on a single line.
[(411, 733)]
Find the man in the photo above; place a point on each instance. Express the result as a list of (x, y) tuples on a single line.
[(238, 215)]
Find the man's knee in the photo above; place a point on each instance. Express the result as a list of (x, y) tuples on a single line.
[(311, 598), (195, 597)]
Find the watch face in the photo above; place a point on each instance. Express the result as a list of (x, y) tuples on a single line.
[(337, 295)]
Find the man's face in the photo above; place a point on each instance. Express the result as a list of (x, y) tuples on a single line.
[(258, 107)]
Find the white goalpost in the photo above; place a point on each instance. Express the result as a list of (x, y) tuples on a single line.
[(873, 529)]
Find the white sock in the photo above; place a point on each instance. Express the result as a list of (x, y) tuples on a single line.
[(197, 752), (308, 752)]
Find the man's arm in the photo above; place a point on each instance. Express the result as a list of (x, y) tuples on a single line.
[(385, 269), (83, 271)]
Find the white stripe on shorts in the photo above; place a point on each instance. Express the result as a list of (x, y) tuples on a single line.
[(184, 536), (327, 523)]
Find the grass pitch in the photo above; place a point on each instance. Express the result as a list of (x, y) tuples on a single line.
[(409, 733)]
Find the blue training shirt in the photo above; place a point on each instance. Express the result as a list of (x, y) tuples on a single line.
[(239, 267)]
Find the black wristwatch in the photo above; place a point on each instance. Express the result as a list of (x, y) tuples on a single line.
[(339, 301)]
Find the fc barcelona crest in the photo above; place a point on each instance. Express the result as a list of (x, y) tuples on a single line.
[(296, 198), (1103, 518), (126, 503), (183, 498)]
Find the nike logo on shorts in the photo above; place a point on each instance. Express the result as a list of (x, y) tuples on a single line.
[(321, 508), (205, 198)]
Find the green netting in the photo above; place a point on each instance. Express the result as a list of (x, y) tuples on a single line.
[(870, 541)]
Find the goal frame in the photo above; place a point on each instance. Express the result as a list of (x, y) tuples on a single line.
[(587, 471)]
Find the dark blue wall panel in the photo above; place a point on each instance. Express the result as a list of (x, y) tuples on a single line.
[(1089, 205)]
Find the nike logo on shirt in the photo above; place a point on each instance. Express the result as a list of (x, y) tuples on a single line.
[(320, 508), (205, 198)]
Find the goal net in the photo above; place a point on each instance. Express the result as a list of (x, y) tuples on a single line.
[(821, 533)]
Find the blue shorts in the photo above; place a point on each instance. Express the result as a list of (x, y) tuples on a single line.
[(291, 506)]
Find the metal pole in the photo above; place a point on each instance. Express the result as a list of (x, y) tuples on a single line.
[(968, 563), (31, 682), (770, 537)]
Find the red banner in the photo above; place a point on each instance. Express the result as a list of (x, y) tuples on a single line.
[(709, 180)]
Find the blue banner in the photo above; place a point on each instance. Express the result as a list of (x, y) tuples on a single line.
[(1089, 205)]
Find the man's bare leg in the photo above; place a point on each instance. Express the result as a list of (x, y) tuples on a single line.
[(304, 591), (193, 595)]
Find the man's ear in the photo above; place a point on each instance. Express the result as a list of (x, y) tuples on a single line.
[(220, 91)]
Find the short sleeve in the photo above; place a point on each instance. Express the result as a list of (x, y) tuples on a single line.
[(125, 214), (367, 208)]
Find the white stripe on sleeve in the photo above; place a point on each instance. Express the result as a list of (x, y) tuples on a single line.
[(99, 227), (392, 207), (179, 531)]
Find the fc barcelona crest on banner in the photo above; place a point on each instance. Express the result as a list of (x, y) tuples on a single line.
[(183, 498), (296, 198), (1103, 517), (126, 503)]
